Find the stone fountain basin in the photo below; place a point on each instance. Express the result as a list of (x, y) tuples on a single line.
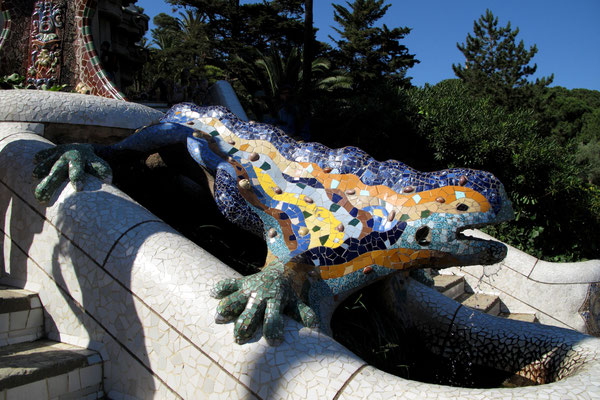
[(115, 278)]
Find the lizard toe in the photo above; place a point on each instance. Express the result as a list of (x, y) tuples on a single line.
[(231, 306), (248, 322)]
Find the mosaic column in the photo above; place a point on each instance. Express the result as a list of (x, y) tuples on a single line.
[(50, 42), (15, 21), (92, 77), (45, 45), (5, 24)]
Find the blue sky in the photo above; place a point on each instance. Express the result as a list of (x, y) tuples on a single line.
[(567, 33)]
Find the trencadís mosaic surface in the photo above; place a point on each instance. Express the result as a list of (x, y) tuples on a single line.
[(334, 220), (114, 278)]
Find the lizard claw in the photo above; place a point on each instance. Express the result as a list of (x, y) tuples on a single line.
[(257, 298), (225, 287), (56, 164), (303, 313)]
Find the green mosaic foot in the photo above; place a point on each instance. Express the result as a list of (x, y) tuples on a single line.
[(260, 297), (71, 161)]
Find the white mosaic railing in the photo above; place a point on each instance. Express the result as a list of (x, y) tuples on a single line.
[(559, 294), (114, 278)]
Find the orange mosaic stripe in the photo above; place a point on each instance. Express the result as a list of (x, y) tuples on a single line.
[(349, 181), (390, 258), (404, 203)]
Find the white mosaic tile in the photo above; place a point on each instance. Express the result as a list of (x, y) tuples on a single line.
[(516, 259), (16, 165), (91, 375), (168, 269), (11, 128), (69, 324), (493, 338), (73, 381), (18, 319), (34, 390), (4, 322), (58, 385), (567, 273), (526, 284), (521, 294), (76, 214), (73, 108), (112, 305)]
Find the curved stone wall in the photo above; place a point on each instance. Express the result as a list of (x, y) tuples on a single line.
[(114, 278), (560, 294)]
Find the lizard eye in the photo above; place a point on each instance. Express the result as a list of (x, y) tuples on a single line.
[(422, 236), (462, 207)]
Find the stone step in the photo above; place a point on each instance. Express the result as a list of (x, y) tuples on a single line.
[(453, 286), (449, 285), (49, 370), (520, 316), (21, 316), (486, 303)]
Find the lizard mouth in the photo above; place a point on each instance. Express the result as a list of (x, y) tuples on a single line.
[(471, 238), (478, 248), (457, 242), (465, 233)]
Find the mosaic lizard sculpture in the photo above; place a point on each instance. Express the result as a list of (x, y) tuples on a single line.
[(334, 220)]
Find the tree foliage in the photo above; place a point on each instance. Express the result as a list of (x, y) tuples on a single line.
[(568, 110), (179, 44), (374, 121), (271, 72), (497, 66), (573, 116), (236, 29), (367, 52), (588, 151)]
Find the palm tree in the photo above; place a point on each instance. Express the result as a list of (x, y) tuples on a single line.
[(272, 72), (190, 23), (276, 70), (308, 54), (164, 40)]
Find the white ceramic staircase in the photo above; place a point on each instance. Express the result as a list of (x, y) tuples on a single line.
[(32, 367), (453, 286)]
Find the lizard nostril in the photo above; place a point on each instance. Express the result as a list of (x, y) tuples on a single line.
[(423, 236), (462, 207)]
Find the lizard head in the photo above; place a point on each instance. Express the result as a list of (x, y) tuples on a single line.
[(457, 199), (416, 222)]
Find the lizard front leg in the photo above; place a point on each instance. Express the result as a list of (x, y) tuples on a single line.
[(68, 161), (263, 297), (71, 161)]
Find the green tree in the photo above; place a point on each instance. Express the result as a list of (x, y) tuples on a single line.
[(234, 32), (370, 54), (235, 29), (588, 151), (574, 116), (568, 110), (179, 44), (497, 66), (275, 70), (307, 53)]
